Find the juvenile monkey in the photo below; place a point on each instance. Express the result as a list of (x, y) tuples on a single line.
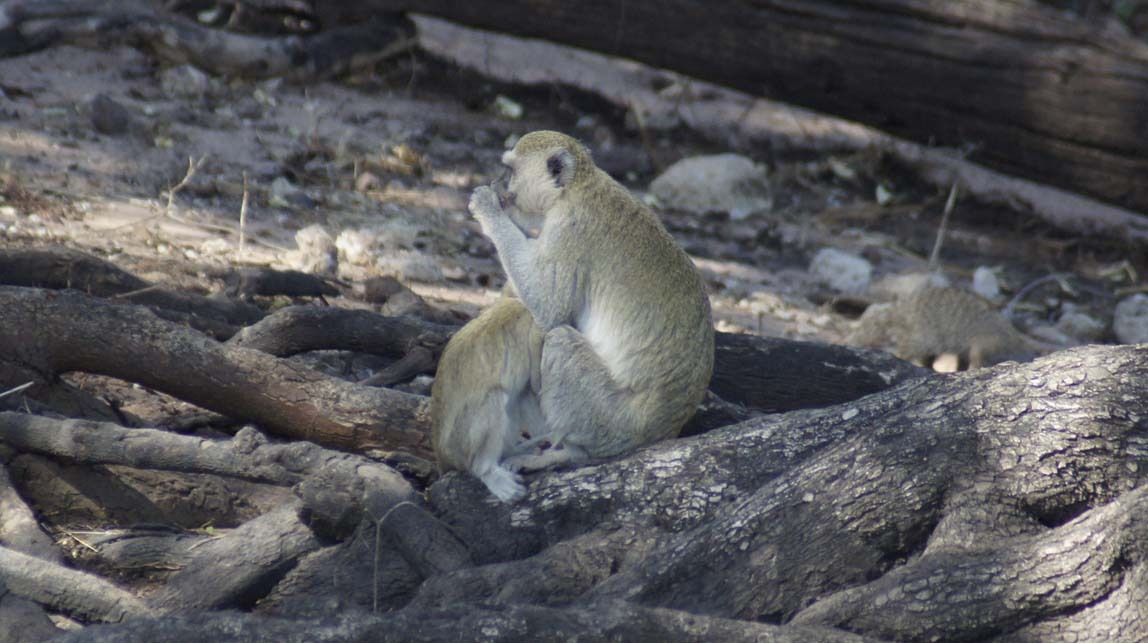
[(628, 347), (932, 321), (485, 395)]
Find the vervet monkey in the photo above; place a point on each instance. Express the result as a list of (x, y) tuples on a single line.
[(628, 347), (485, 395)]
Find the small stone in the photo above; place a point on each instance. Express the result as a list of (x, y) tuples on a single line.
[(411, 265), (317, 253), (108, 116), (842, 271), (357, 247), (1081, 326), (282, 193), (508, 108), (1130, 323), (986, 284)]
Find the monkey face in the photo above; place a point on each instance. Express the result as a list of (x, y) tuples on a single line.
[(536, 178)]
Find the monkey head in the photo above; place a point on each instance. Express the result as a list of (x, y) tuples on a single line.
[(540, 168)]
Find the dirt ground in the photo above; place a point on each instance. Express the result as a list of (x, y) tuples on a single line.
[(396, 152)]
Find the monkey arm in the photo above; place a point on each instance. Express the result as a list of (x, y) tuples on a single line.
[(540, 283)]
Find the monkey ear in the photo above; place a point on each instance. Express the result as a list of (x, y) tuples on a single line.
[(560, 165)]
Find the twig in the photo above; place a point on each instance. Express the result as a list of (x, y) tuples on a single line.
[(133, 293), (17, 389), (378, 546), (243, 218), (935, 256), (192, 167), (1059, 277), (644, 134)]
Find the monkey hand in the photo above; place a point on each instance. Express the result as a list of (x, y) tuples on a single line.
[(486, 208)]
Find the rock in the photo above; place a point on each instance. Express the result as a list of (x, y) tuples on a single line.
[(358, 247), (411, 265), (185, 81), (108, 116), (317, 253), (986, 284), (283, 193), (1081, 326), (719, 183), (842, 271), (1130, 322), (508, 108)]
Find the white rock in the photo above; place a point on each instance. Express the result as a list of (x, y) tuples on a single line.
[(1081, 326), (1130, 322), (282, 190), (841, 271), (986, 284), (718, 183), (410, 265), (317, 251), (358, 247)]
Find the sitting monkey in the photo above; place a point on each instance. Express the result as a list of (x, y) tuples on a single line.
[(627, 347), (485, 395)]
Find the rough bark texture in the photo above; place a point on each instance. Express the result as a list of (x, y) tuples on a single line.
[(1027, 89), (55, 333), (951, 507)]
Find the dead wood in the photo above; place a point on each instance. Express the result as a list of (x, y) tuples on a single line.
[(746, 121), (29, 26), (959, 475), (19, 529), (297, 329), (339, 490), (23, 620), (62, 268), (470, 622), (1029, 90), (237, 568), (72, 592), (85, 494), (58, 332), (144, 549), (247, 283)]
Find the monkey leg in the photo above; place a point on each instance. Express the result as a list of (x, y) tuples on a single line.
[(495, 428), (588, 414)]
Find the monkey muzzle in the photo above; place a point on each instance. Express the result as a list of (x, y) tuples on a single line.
[(501, 187)]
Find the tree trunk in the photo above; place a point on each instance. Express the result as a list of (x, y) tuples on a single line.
[(1026, 89)]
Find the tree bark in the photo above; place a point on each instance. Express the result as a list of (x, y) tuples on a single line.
[(947, 507), (56, 332), (1026, 89)]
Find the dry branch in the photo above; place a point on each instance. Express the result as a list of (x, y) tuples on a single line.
[(65, 268), (72, 592), (1028, 89), (237, 568), (19, 529), (306, 328), (61, 332)]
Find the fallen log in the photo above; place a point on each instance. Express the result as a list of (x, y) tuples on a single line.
[(58, 332), (1022, 87)]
